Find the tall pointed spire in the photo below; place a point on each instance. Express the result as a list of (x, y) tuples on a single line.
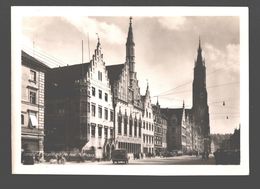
[(130, 50), (157, 103), (199, 60), (183, 104), (147, 93), (130, 37)]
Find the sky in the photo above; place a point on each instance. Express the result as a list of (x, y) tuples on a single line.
[(165, 47)]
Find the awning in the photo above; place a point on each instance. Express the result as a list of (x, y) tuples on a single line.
[(33, 121)]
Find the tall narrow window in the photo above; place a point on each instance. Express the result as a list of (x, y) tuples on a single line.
[(99, 112), (33, 76), (105, 132), (106, 114), (135, 128), (93, 130), (100, 94), (111, 115), (99, 131), (93, 110), (100, 75), (93, 91), (22, 119), (140, 128), (111, 133), (125, 125), (130, 126), (119, 124), (106, 97), (33, 97)]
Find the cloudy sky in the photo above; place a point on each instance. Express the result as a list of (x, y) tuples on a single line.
[(166, 48)]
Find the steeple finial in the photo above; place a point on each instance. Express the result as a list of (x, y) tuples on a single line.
[(157, 103), (98, 44), (199, 60), (130, 19), (183, 104), (199, 43), (199, 48)]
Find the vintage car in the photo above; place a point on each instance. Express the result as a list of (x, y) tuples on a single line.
[(119, 155)]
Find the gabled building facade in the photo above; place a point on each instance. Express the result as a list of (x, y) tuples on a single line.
[(80, 112), (179, 131), (160, 130), (127, 103), (148, 123)]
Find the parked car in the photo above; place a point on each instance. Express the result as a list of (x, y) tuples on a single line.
[(119, 155)]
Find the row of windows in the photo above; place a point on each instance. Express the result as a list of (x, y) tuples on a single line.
[(147, 126), (100, 128), (147, 139), (130, 126), (99, 94), (100, 112), (148, 114)]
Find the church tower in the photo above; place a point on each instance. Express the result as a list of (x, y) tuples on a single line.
[(200, 101)]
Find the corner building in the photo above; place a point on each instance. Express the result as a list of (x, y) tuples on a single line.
[(33, 104)]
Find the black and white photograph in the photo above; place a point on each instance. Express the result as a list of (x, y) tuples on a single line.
[(130, 90)]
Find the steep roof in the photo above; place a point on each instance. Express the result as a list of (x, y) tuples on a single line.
[(114, 72), (61, 80), (33, 62)]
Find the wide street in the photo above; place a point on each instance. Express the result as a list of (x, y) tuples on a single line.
[(177, 160)]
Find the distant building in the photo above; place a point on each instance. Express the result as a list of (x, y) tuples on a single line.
[(179, 131), (160, 130), (33, 104), (233, 142), (148, 123)]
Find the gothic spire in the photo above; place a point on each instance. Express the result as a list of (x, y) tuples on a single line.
[(147, 93), (130, 50), (199, 55), (130, 37)]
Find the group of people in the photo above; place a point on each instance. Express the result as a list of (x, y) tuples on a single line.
[(29, 158)]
